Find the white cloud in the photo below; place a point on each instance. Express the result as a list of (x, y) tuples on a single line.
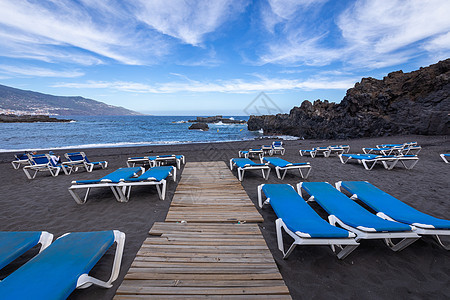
[(38, 72), (374, 34), (228, 86), (103, 30), (188, 20)]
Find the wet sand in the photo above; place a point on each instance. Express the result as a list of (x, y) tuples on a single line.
[(372, 271)]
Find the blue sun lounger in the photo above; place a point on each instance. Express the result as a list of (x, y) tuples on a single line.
[(42, 163), (311, 152), (154, 176), (252, 153), (283, 165), (243, 164), (390, 208), (64, 266), (14, 244), (445, 157), (20, 159), (353, 217), (388, 161), (111, 180), (302, 223), (79, 159), (277, 147)]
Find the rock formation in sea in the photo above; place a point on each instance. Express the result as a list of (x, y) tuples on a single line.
[(199, 126), (29, 119), (401, 103)]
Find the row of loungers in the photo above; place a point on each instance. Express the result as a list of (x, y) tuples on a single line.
[(44, 163), (390, 149), (275, 148), (157, 160), (281, 167), (122, 180), (325, 151), (60, 267), (394, 219), (388, 161)]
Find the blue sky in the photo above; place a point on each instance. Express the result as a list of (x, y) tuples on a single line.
[(177, 57)]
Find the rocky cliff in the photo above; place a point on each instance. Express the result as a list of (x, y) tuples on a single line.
[(402, 103)]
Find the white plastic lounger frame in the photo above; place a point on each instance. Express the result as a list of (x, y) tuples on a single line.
[(304, 239), (408, 237), (325, 151), (291, 166), (311, 152), (18, 162), (267, 149), (241, 171), (69, 165), (132, 161), (161, 186), (388, 162), (88, 188), (336, 150), (162, 160), (444, 157), (252, 153), (277, 147), (44, 167), (421, 229), (85, 281)]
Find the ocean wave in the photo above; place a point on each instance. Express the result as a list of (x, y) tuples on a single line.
[(123, 144)]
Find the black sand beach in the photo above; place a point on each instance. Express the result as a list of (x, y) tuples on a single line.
[(372, 271)]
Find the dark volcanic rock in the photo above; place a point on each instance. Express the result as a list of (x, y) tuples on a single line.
[(402, 103), (29, 119), (200, 126), (217, 119)]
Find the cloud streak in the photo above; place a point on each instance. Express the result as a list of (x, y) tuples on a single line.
[(239, 86)]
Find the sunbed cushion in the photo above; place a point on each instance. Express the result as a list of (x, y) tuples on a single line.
[(279, 162), (297, 214), (381, 201), (155, 173), (245, 162), (14, 244), (53, 274), (348, 211), (114, 177)]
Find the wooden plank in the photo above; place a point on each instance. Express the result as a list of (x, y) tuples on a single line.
[(219, 252)]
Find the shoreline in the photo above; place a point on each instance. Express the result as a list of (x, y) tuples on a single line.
[(372, 271)]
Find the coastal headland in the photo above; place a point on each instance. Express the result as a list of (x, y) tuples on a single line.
[(372, 271)]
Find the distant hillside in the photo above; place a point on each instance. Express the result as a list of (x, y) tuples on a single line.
[(27, 102)]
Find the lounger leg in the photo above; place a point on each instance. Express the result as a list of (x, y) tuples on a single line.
[(400, 245), (279, 236), (346, 251), (307, 173), (277, 170), (438, 239), (260, 195), (284, 174), (231, 164), (25, 170), (76, 197)]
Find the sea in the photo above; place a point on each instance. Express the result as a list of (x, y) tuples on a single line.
[(116, 131)]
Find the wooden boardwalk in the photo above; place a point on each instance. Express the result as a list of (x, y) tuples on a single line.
[(212, 254), (209, 192)]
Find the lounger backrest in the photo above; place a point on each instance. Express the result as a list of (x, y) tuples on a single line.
[(40, 159), (297, 214), (121, 174), (14, 244), (351, 213), (75, 156), (155, 173), (277, 144), (21, 156), (277, 161), (53, 274), (381, 201)]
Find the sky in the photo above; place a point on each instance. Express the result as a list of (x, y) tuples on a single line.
[(176, 57)]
